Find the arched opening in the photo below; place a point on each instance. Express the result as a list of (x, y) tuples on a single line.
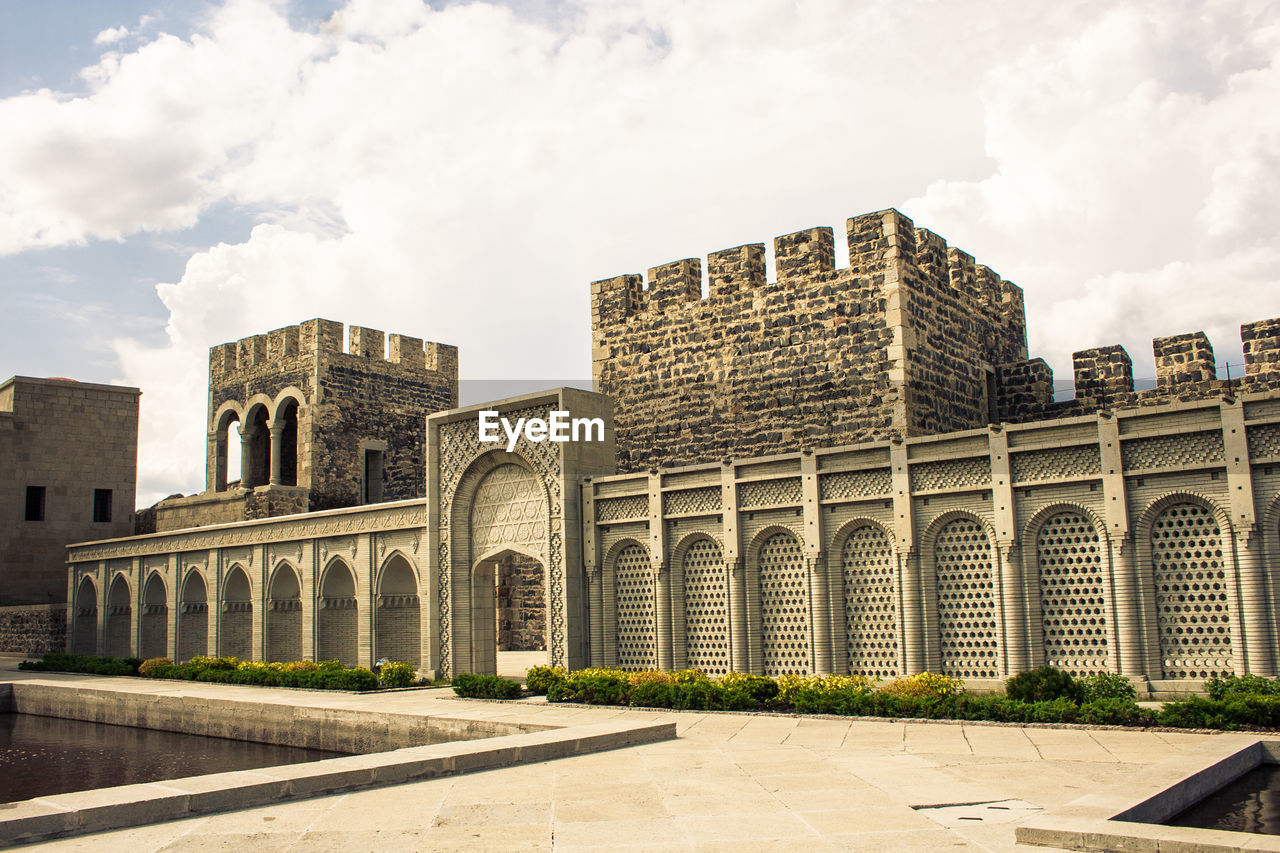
[(287, 417), (784, 607), (336, 638), (489, 653), (235, 637), (226, 452), (155, 619), (398, 631), (706, 597), (871, 623), (967, 627), (1072, 593), (259, 455), (634, 594), (119, 616), (284, 616), (1192, 605), (193, 619), (84, 628)]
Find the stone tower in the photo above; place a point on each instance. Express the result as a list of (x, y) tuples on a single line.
[(319, 427)]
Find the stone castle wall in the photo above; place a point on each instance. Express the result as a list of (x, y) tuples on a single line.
[(1143, 541), (905, 340), (1185, 370)]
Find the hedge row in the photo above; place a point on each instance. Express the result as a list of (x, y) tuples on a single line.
[(62, 662), (1044, 695), (324, 675), (471, 686)]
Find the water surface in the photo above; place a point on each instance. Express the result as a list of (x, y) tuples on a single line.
[(46, 755), (1249, 804)]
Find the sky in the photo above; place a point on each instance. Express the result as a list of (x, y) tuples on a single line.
[(173, 176)]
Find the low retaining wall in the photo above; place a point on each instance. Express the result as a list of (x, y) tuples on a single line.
[(33, 629), (503, 745), (356, 732)]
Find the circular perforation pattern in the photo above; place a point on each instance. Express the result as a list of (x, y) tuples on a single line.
[(1072, 602), (634, 585), (966, 601), (1191, 593), (705, 607), (871, 625), (784, 607)]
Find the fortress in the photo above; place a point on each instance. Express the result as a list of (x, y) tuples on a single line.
[(841, 470)]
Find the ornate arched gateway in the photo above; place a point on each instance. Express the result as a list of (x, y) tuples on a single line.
[(488, 500)]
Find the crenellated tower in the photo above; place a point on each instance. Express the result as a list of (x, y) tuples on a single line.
[(907, 340), (314, 425)]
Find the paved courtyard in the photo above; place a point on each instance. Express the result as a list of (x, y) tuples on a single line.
[(729, 782)]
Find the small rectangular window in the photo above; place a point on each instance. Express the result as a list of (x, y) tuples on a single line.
[(35, 503), (101, 506), (372, 476)]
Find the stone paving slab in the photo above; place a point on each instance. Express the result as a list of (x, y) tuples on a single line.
[(729, 782)]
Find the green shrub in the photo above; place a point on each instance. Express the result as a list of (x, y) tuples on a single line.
[(397, 674), (593, 687), (1106, 685), (149, 665), (762, 689), (1196, 712), (1112, 711), (924, 685), (538, 679), (654, 694), (91, 664), (1241, 685), (1043, 684), (472, 686)]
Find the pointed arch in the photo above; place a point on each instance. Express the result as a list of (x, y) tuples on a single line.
[(193, 616), (154, 625), (119, 617), (84, 625), (398, 619), (337, 623), (235, 631), (284, 614)]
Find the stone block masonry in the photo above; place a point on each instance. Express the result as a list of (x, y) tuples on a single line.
[(904, 341), (320, 427)]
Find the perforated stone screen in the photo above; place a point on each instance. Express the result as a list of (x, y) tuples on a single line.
[(1191, 593), (634, 582), (966, 601), (784, 606), (871, 625), (706, 626), (1072, 595)]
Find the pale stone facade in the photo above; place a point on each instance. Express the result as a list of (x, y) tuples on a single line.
[(1124, 531)]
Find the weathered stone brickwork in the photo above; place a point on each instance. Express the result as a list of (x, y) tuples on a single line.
[(906, 340), (33, 629), (522, 604), (322, 427)]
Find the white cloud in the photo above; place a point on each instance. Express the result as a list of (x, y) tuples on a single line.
[(111, 35), (460, 174)]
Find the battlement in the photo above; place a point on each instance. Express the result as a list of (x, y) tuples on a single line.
[(315, 338), (876, 241), (1185, 370), (902, 339)]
